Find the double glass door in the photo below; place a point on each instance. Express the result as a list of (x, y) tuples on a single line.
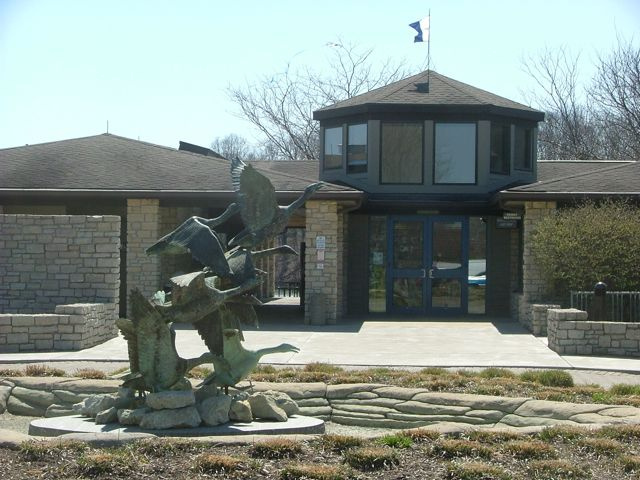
[(428, 264)]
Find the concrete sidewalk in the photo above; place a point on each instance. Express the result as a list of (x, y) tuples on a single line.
[(390, 343)]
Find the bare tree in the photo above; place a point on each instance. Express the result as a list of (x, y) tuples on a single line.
[(568, 130), (616, 90), (281, 106), (599, 121), (234, 146)]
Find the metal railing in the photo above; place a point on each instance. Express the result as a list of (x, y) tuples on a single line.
[(288, 289), (620, 306)]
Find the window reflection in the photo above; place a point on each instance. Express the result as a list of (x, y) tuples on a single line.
[(407, 245), (477, 275), (455, 153), (377, 263), (407, 292), (500, 148), (447, 245), (401, 155), (357, 148), (333, 147)]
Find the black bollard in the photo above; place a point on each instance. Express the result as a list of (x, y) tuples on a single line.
[(599, 302)]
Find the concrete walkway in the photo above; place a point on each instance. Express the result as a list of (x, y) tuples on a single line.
[(395, 342)]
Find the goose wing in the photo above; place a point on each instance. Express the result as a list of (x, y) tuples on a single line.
[(129, 333), (210, 330), (195, 237), (158, 360), (256, 196)]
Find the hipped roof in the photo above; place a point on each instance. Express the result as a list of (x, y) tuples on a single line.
[(112, 164)]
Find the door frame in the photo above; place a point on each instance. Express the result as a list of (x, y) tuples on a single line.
[(427, 273)]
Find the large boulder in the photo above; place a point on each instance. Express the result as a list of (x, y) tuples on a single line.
[(110, 415), (95, 404), (215, 410), (240, 411), (186, 417), (264, 406), (284, 401), (171, 399), (127, 416)]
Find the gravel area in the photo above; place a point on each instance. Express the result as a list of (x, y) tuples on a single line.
[(16, 423)]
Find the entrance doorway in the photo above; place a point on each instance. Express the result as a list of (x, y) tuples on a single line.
[(427, 264)]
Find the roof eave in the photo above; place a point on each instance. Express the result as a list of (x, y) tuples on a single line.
[(370, 108), (167, 194), (562, 196)]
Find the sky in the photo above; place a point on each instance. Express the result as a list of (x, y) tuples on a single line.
[(159, 71)]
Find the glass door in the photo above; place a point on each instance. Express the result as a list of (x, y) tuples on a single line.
[(447, 251), (427, 265), (407, 275)]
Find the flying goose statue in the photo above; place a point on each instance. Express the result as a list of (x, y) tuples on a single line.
[(151, 342), (256, 197), (196, 235), (238, 362)]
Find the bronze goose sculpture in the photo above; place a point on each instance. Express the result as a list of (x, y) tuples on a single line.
[(256, 197), (239, 362)]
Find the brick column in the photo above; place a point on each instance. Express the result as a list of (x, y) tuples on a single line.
[(533, 284), (323, 218), (143, 230)]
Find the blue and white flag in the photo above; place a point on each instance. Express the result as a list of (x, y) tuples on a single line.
[(422, 27)]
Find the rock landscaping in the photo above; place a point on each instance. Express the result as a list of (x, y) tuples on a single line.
[(367, 405)]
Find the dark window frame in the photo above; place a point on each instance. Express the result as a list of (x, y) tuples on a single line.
[(324, 144), (422, 150), (359, 167), (433, 168), (528, 132), (506, 146)]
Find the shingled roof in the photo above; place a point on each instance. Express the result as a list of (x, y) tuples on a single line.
[(553, 169), (112, 164), (572, 179), (444, 95)]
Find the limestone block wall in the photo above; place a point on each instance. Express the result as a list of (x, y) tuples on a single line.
[(325, 277), (538, 317), (49, 260), (143, 230), (570, 333), (72, 327), (533, 285)]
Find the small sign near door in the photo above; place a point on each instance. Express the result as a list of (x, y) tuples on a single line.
[(504, 223)]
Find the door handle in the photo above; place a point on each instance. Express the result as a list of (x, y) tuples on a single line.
[(424, 273), (431, 273)]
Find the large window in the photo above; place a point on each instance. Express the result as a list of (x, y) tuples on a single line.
[(500, 148), (357, 148), (523, 148), (455, 153), (332, 148), (401, 153)]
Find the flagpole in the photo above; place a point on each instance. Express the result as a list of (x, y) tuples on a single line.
[(429, 49)]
